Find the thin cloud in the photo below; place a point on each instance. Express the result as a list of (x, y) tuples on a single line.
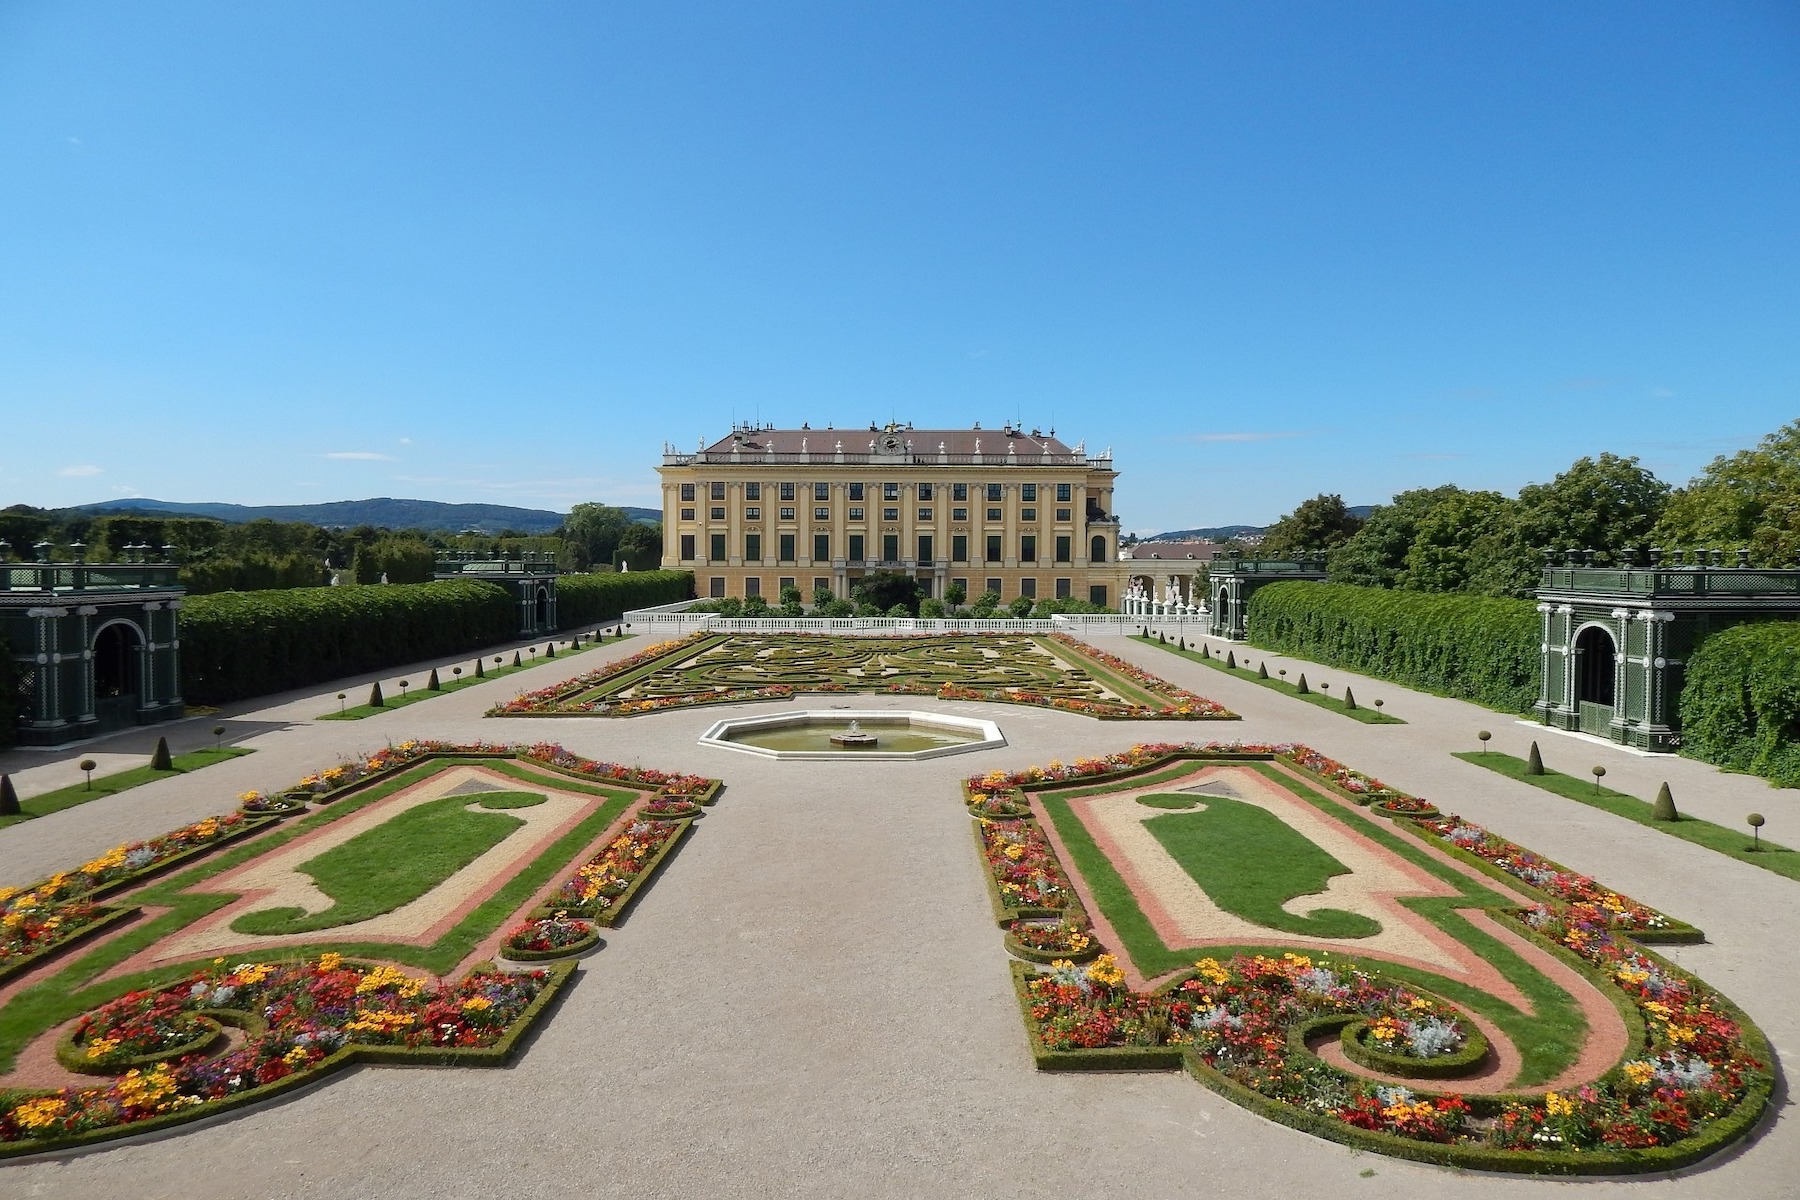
[(81, 472), (360, 456), (1264, 436)]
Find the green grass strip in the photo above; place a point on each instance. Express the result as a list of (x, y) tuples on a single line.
[(1250, 862), (1723, 839), (118, 781), (1548, 1041), (358, 712), (1363, 713), (79, 986)]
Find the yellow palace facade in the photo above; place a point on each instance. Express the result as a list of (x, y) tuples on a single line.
[(1005, 510)]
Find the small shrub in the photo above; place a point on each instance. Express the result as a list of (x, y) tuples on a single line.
[(9, 797), (376, 700), (1534, 762), (1301, 686), (431, 682), (161, 760), (1664, 808), (1349, 698)]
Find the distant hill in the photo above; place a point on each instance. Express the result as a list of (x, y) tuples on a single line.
[(383, 512), (1220, 533)]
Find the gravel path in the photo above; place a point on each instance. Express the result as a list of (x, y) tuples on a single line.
[(813, 999)]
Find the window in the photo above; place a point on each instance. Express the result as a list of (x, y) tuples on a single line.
[(753, 491), (1097, 549), (784, 583), (890, 547), (1028, 548), (925, 547), (715, 549), (993, 585), (959, 514), (959, 491), (856, 513), (753, 512), (1097, 594), (959, 547), (715, 587), (687, 547), (1062, 589), (1028, 492), (753, 547), (890, 491), (1028, 588), (993, 547), (993, 514), (718, 491), (994, 493), (1062, 514), (856, 547), (687, 514), (821, 584), (961, 583), (785, 548), (856, 491), (821, 547), (890, 514), (1062, 549), (787, 491), (821, 491), (822, 513), (924, 514), (753, 586), (687, 492), (1028, 514), (717, 512), (787, 512), (1063, 493), (924, 490)]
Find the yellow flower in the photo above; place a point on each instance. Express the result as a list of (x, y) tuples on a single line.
[(477, 1004), (1639, 1072), (40, 1113), (100, 1047), (295, 1057), (1558, 1106), (1212, 972), (154, 1089), (331, 960), (1105, 971), (251, 972)]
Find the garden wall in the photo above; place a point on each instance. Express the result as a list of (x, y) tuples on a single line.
[(240, 644), (1740, 705), (586, 599), (1474, 648), (9, 696)]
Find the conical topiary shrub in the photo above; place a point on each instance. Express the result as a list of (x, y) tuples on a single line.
[(1301, 686), (1231, 659), (1205, 651), (550, 650), (1262, 671), (9, 797), (375, 697), (1534, 762), (479, 673), (1349, 698), (160, 761), (515, 658), (432, 684), (1664, 808)]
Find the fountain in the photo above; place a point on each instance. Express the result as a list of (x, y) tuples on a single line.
[(904, 736), (854, 738)]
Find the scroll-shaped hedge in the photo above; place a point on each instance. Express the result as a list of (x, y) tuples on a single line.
[(1477, 648), (586, 599), (1740, 706), (239, 644)]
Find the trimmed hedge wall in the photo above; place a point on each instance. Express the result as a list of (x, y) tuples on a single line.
[(1475, 648), (1740, 705), (9, 697), (240, 644), (586, 599)]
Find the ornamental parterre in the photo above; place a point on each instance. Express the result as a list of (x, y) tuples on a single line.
[(1697, 1077)]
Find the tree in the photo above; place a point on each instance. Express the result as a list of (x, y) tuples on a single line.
[(1375, 555), (1317, 524), (931, 606), (1605, 504), (790, 602), (822, 597), (1442, 557), (1750, 500), (1021, 606), (591, 533), (955, 594), (882, 590), (755, 606), (642, 544), (985, 604)]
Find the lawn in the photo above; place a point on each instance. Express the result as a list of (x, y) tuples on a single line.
[(497, 670), (119, 781), (1323, 699)]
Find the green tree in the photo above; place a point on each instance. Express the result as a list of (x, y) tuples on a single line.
[(822, 597), (1750, 500), (790, 603), (1375, 555), (1317, 524), (882, 590), (955, 594), (1605, 504), (1443, 556), (591, 533)]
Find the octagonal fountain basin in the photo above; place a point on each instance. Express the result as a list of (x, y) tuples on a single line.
[(883, 734)]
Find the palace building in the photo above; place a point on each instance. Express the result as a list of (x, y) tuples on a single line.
[(1005, 510)]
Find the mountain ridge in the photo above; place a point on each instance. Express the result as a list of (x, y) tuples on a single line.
[(380, 511)]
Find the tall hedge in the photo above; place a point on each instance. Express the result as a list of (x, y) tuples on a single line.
[(587, 599), (1470, 647), (240, 644), (9, 697), (1740, 705)]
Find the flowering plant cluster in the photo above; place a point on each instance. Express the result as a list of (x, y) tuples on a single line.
[(52, 911), (1593, 901), (255, 803), (547, 935), (1363, 787), (311, 1010), (332, 779), (1052, 937), (1181, 702), (568, 696), (608, 875), (1024, 866), (136, 1025), (998, 806), (669, 783)]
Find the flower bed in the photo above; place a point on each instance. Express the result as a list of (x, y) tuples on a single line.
[(1409, 807), (545, 938), (138, 1029), (1005, 806), (1417, 1045), (1024, 876), (604, 885), (1043, 941), (301, 1020), (256, 804)]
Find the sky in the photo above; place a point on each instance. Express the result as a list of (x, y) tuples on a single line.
[(473, 252)]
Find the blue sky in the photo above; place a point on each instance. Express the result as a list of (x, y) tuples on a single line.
[(277, 253)]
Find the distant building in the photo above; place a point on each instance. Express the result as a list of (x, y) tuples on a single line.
[(1007, 510), (1156, 565)]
